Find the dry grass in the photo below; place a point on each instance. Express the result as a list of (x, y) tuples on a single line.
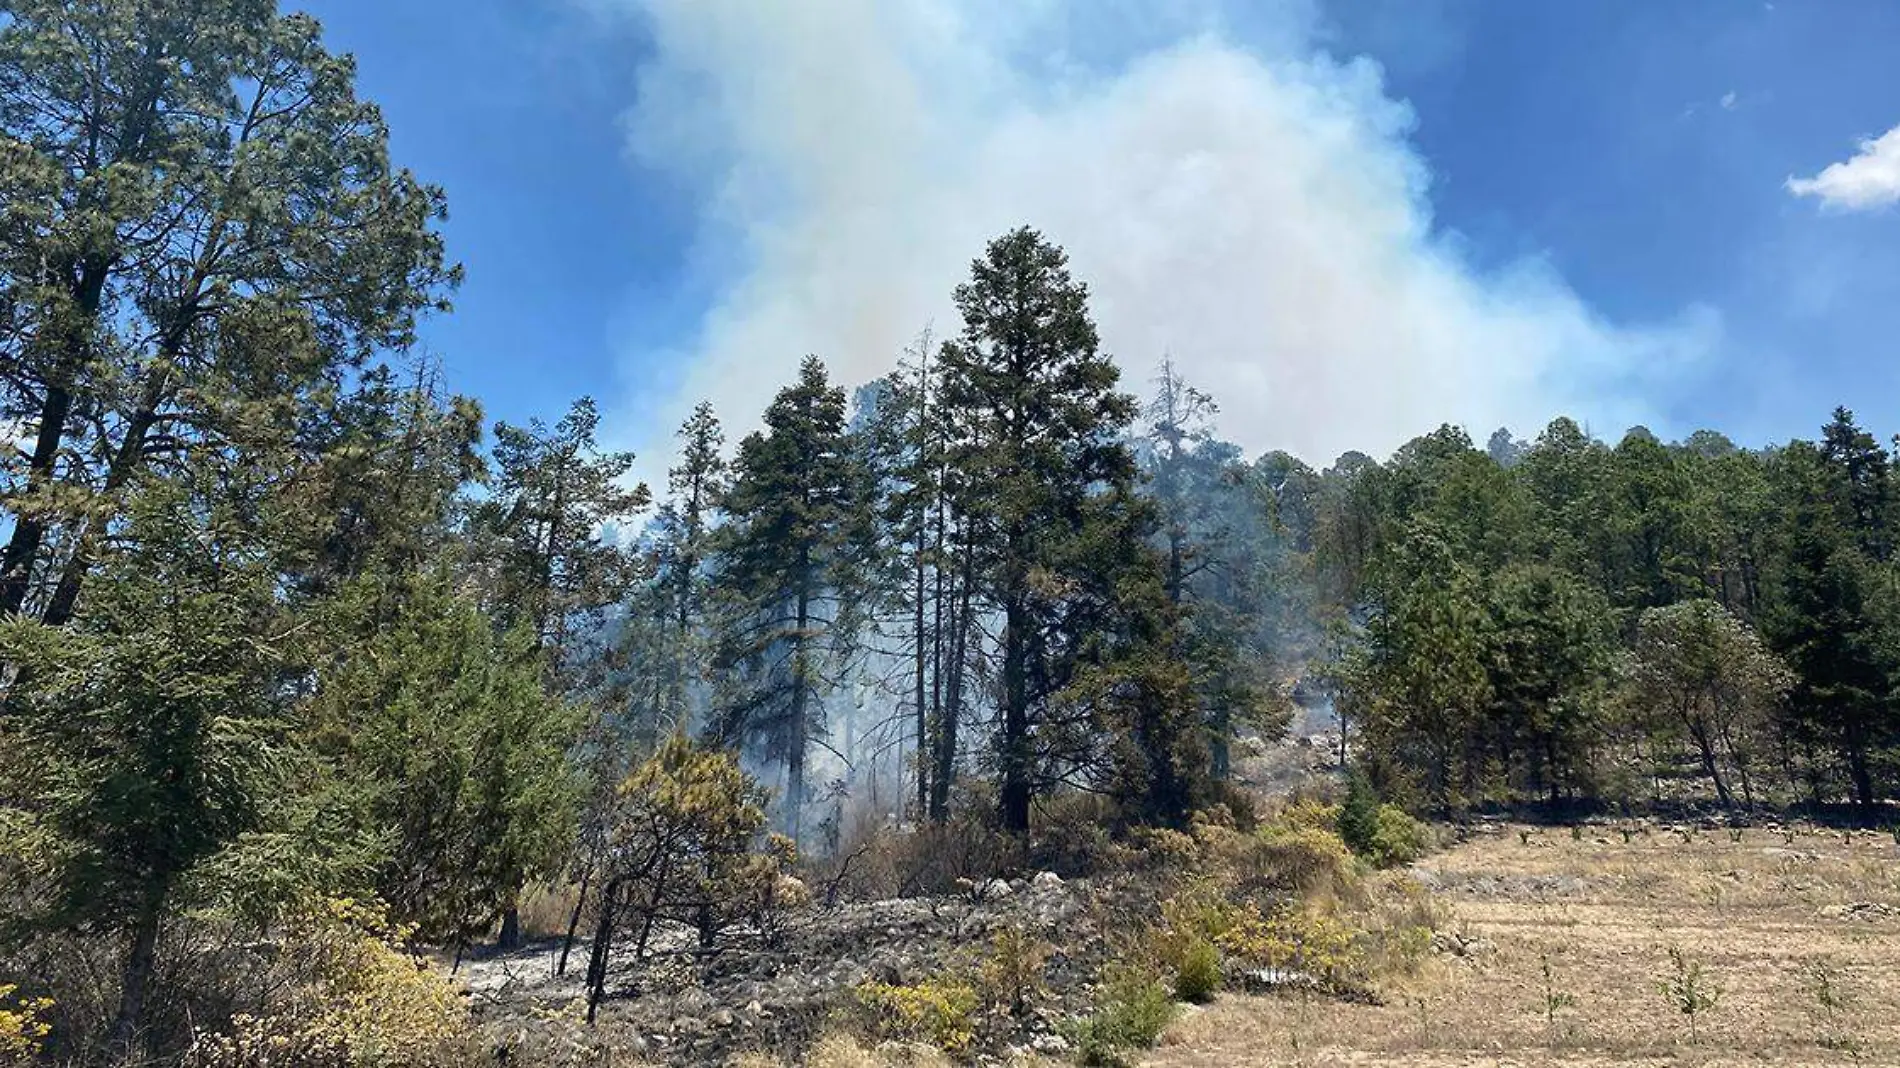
[(1763, 916), (845, 1051)]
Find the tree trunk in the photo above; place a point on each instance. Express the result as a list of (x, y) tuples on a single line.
[(135, 979), (1706, 748), (1016, 789), (799, 730), (126, 461), (509, 937), (29, 531), (951, 710), (1857, 765), (603, 942), (22, 551), (920, 681), (1220, 746), (573, 923)]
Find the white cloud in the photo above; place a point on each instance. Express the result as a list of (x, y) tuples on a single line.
[(1258, 212), (1728, 100), (1871, 179)]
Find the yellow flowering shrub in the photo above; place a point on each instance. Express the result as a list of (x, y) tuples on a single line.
[(938, 1012), (1297, 939), (358, 999), (21, 1028)]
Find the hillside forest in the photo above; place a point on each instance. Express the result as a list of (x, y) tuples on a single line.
[(299, 651)]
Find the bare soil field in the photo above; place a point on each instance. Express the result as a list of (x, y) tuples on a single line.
[(1560, 948)]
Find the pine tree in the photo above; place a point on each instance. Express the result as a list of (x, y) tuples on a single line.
[(1214, 521), (1044, 485), (545, 534), (154, 727), (205, 234), (788, 579), (449, 747)]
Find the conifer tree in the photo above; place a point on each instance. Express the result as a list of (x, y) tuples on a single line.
[(1044, 484), (152, 735), (544, 536), (788, 579), (204, 234)]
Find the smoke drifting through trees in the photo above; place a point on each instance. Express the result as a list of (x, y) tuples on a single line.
[(277, 638)]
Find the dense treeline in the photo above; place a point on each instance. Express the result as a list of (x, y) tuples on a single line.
[(1569, 619), (285, 648)]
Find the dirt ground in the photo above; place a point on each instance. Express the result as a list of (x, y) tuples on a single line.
[(1560, 945)]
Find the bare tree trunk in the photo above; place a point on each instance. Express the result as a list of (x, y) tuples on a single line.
[(1015, 740), (573, 922), (603, 942), (135, 979), (951, 711)]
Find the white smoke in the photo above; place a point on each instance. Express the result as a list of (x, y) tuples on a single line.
[(1256, 211)]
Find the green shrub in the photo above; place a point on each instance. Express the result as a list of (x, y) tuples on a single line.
[(940, 1013), (1358, 822), (1397, 838), (21, 1027), (352, 996), (1013, 976), (1308, 861), (1132, 1008), (1197, 972)]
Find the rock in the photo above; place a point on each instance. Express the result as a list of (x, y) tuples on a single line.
[(1263, 979), (994, 890), (1860, 910), (1049, 1045), (1046, 880), (722, 1018), (1460, 946)]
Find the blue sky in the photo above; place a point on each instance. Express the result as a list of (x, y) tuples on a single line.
[(1351, 222)]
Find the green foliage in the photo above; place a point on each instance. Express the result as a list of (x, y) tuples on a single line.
[(787, 580), (1303, 850), (153, 729), (679, 846), (940, 1013), (1014, 973), (22, 1029), (1358, 821), (1697, 670), (1058, 550), (1833, 997), (1397, 838), (205, 235), (443, 735), (347, 994), (1554, 1000), (1687, 989), (1197, 973), (1132, 1008)]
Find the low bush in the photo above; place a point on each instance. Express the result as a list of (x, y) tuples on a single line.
[(1398, 838), (1307, 861), (1072, 836), (22, 1025), (1197, 971), (1305, 940), (1132, 1008), (353, 998), (1012, 976), (940, 1013)]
